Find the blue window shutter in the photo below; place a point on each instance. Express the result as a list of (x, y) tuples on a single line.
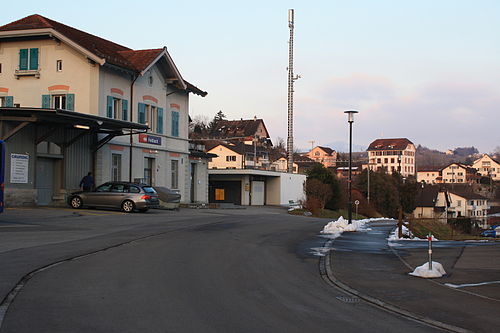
[(124, 109), (9, 101), (141, 119), (33, 59), (175, 123), (160, 120), (45, 101), (109, 107), (23, 59), (70, 102)]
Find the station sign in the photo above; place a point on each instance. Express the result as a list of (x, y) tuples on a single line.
[(153, 140)]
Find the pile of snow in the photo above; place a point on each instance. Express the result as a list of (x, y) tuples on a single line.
[(335, 228), (423, 271)]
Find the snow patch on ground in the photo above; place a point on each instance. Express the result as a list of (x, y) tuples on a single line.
[(423, 271), (407, 235), (335, 228)]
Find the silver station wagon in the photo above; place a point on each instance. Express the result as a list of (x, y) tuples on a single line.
[(128, 197)]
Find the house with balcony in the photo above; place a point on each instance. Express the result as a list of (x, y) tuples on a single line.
[(73, 102), (392, 155), (300, 164), (458, 173), (324, 155), (486, 166)]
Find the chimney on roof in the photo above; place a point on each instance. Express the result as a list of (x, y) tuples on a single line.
[(254, 118)]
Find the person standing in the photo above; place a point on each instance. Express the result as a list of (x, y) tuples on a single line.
[(87, 182)]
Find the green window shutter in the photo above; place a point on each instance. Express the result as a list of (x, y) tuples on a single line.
[(46, 101), (109, 107), (160, 120), (175, 123), (141, 119), (23, 59), (9, 101), (70, 102), (124, 109), (33, 59)]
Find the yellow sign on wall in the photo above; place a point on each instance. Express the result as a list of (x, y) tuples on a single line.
[(219, 194)]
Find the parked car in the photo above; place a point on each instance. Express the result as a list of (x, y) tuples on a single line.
[(169, 199), (122, 195), (493, 231)]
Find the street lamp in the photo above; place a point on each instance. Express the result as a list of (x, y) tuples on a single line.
[(350, 120)]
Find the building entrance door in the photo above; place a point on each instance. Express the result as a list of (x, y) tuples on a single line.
[(257, 193), (44, 180)]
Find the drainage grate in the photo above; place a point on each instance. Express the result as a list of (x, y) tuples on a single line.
[(346, 299)]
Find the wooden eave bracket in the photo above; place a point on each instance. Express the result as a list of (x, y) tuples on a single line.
[(16, 129)]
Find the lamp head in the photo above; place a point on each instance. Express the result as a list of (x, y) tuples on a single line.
[(350, 115)]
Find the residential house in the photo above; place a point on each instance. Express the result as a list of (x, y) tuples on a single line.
[(429, 175), (458, 173), (74, 102), (393, 155), (431, 202), (486, 166), (246, 131), (440, 202), (238, 156), (466, 203), (300, 164), (324, 155)]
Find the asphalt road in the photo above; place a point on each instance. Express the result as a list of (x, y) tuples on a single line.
[(193, 271)]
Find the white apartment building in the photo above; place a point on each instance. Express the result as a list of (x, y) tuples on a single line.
[(393, 155)]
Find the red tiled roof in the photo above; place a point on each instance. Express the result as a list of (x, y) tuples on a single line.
[(327, 150), (100, 47), (237, 128), (140, 59), (113, 53), (389, 144)]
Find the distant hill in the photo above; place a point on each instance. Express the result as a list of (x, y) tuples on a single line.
[(435, 158)]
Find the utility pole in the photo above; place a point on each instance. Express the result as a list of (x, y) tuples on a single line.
[(291, 80)]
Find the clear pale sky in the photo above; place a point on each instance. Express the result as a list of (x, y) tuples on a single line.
[(428, 70)]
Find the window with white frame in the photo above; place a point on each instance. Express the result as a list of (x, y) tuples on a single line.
[(59, 66), (59, 102)]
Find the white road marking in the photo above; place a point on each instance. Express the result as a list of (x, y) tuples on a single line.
[(451, 285)]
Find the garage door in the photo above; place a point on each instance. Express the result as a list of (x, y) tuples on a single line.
[(225, 192)]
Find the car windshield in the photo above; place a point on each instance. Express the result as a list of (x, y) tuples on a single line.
[(149, 189)]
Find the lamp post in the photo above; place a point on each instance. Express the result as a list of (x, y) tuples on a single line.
[(350, 120)]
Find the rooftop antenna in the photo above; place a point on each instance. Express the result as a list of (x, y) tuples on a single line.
[(312, 143), (291, 80)]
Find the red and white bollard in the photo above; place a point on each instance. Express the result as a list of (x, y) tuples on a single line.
[(429, 238)]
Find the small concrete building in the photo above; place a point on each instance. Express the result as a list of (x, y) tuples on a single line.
[(248, 187)]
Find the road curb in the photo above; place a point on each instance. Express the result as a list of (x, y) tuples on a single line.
[(328, 275)]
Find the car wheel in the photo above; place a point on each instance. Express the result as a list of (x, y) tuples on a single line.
[(143, 210), (76, 202), (128, 206)]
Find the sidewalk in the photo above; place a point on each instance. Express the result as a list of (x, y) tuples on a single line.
[(382, 273)]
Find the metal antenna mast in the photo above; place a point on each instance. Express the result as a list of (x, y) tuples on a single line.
[(291, 79)]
